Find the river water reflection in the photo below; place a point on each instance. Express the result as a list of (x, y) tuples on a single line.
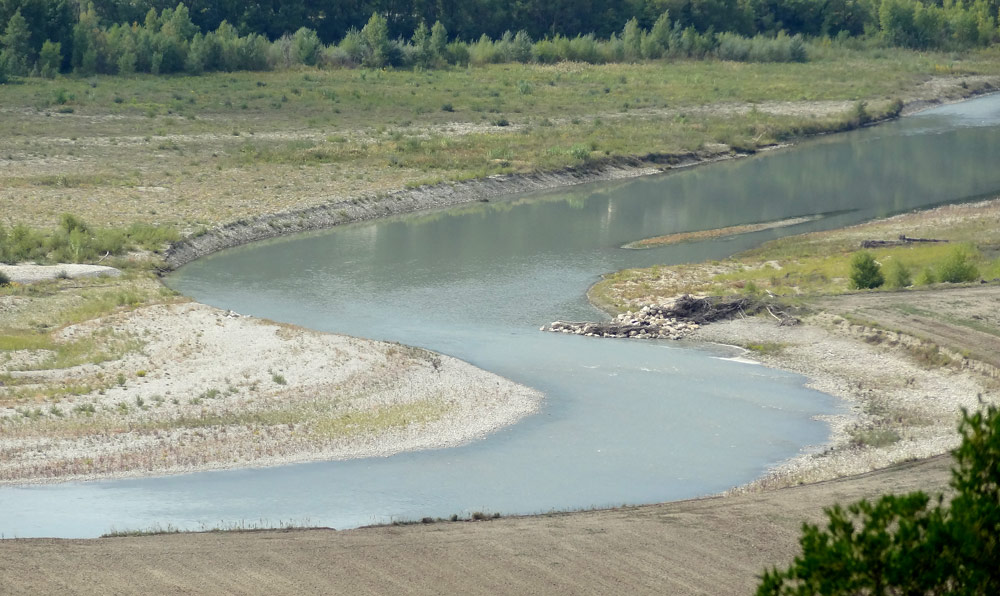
[(622, 422)]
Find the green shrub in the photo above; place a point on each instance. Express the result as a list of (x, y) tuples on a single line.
[(957, 268), (152, 237), (899, 275), (926, 277), (912, 543), (76, 242), (25, 244), (4, 279), (865, 272), (859, 116)]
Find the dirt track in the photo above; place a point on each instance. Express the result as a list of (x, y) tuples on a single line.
[(706, 546), (962, 319)]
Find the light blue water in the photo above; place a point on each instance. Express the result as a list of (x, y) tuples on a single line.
[(622, 422)]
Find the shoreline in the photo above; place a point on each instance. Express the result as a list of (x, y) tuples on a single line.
[(180, 404), (402, 201), (901, 380), (834, 359), (346, 210)]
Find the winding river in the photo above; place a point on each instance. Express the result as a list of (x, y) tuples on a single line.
[(623, 421)]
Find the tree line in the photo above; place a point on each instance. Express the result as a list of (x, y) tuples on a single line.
[(45, 37)]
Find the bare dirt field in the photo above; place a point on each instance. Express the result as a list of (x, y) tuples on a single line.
[(706, 546), (965, 321)]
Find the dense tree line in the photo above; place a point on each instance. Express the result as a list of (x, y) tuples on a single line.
[(45, 37)]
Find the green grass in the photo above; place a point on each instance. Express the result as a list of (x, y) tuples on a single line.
[(367, 422), (317, 420), (767, 347), (103, 346), (807, 265), (180, 150)]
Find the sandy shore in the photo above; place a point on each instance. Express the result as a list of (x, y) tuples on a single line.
[(895, 408), (199, 388)]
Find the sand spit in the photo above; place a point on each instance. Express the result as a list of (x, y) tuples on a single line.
[(202, 388)]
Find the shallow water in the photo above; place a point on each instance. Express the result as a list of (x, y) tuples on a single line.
[(623, 421)]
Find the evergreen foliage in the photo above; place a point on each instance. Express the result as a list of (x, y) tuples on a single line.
[(124, 37), (958, 268), (910, 544), (865, 272), (16, 42)]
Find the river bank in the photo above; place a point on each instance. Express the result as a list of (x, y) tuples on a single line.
[(341, 211), (904, 362), (118, 402), (179, 400)]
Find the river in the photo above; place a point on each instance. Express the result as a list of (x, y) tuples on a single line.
[(622, 421)]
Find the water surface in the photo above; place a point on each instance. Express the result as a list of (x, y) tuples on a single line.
[(623, 421)]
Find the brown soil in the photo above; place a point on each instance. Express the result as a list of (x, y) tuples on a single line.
[(704, 546), (964, 321)]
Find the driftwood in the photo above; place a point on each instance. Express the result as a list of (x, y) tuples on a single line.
[(675, 322), (706, 310), (903, 239)]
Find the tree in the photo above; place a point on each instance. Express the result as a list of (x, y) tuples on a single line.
[(16, 43), (376, 39), (974, 531), (865, 272), (632, 39), (439, 42), (50, 58), (88, 42), (659, 37), (307, 46), (910, 544)]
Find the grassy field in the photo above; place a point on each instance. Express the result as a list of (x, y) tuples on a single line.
[(198, 151), (808, 265)]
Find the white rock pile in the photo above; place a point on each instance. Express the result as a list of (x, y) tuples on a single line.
[(650, 322)]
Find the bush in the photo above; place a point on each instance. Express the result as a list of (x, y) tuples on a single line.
[(4, 279), (910, 544), (76, 242), (957, 268), (306, 46), (859, 116), (899, 275), (24, 244), (865, 272), (926, 277)]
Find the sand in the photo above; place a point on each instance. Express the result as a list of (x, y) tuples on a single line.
[(205, 388)]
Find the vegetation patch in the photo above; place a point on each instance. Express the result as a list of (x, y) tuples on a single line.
[(874, 438), (767, 348), (822, 263)]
